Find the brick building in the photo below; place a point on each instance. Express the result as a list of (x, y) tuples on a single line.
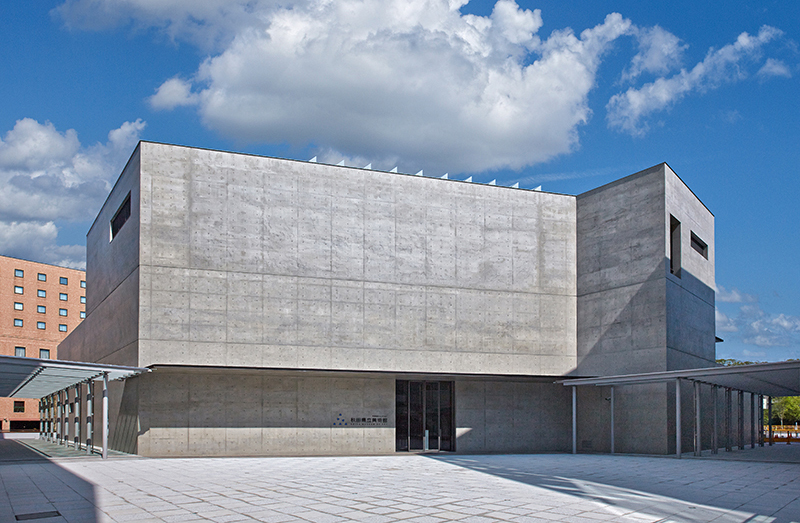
[(40, 305)]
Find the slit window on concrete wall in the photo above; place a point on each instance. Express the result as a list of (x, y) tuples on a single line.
[(699, 245), (121, 216), (674, 246)]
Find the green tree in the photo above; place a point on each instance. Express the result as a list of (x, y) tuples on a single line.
[(786, 409)]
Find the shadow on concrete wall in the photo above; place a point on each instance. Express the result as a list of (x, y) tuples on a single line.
[(35, 487), (657, 326), (664, 492)]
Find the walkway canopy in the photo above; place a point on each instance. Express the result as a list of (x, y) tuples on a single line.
[(762, 379), (35, 378), (60, 413)]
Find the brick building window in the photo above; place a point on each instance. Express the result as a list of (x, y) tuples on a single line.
[(62, 327), (17, 322), (83, 284), (19, 406), (62, 296), (19, 352), (62, 280), (17, 306), (41, 277), (83, 314), (19, 273), (41, 309), (83, 299), (62, 312), (44, 354), (18, 290), (41, 325), (42, 294)]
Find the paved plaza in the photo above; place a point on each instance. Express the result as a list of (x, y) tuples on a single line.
[(408, 488)]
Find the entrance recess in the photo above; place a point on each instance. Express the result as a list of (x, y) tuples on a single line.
[(425, 415)]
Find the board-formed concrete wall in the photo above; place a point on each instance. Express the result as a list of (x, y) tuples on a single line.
[(261, 262)]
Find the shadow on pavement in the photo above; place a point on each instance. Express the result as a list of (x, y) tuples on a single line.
[(34, 487)]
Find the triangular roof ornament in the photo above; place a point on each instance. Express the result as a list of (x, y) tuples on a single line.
[(445, 176), (393, 170), (368, 166), (493, 182), (341, 164), (515, 186), (313, 160), (419, 173), (537, 188), (468, 179)]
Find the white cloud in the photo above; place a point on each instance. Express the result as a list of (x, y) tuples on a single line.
[(773, 67), (723, 322), (627, 110), (173, 93), (733, 296), (659, 53), (46, 176), (763, 329)]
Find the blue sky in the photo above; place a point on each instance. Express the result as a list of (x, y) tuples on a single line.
[(541, 93)]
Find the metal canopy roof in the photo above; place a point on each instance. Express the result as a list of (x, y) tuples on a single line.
[(37, 378), (770, 379)]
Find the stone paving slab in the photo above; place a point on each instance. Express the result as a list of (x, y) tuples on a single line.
[(407, 488)]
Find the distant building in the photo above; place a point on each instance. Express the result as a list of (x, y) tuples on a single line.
[(41, 304), (291, 307)]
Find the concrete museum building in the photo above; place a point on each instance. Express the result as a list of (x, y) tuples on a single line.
[(291, 308)]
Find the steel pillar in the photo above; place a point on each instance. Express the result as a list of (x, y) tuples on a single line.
[(752, 420), (77, 417), (89, 416), (715, 436), (769, 420), (612, 419), (105, 415), (678, 418), (574, 420), (728, 420), (698, 433), (740, 421)]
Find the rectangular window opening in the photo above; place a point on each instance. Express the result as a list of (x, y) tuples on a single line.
[(62, 327), (42, 294), (83, 314), (121, 216), (674, 246), (699, 245), (19, 273), (19, 406), (41, 309), (63, 281), (44, 354), (62, 296), (17, 322), (41, 325), (83, 299), (83, 284), (17, 306), (19, 352), (62, 312), (18, 290), (41, 277)]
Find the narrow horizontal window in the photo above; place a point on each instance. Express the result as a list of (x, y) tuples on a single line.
[(44, 354), (62, 280), (62, 296), (699, 245), (62, 327), (41, 309), (17, 306), (19, 273), (41, 277), (19, 351), (18, 290), (17, 322), (41, 325), (121, 216), (62, 312), (42, 294)]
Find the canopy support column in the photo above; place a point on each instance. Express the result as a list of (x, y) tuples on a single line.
[(740, 420), (760, 420), (574, 420), (715, 436), (728, 421), (769, 419), (105, 414), (89, 416), (612, 419), (698, 439), (752, 420), (77, 417), (678, 418)]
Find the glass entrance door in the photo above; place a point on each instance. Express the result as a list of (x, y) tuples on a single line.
[(425, 415)]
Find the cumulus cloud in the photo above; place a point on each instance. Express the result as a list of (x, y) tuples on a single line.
[(415, 80), (773, 67), (46, 177), (733, 296), (659, 53), (626, 111), (760, 328)]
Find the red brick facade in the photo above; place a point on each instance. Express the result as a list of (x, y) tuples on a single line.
[(48, 308)]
